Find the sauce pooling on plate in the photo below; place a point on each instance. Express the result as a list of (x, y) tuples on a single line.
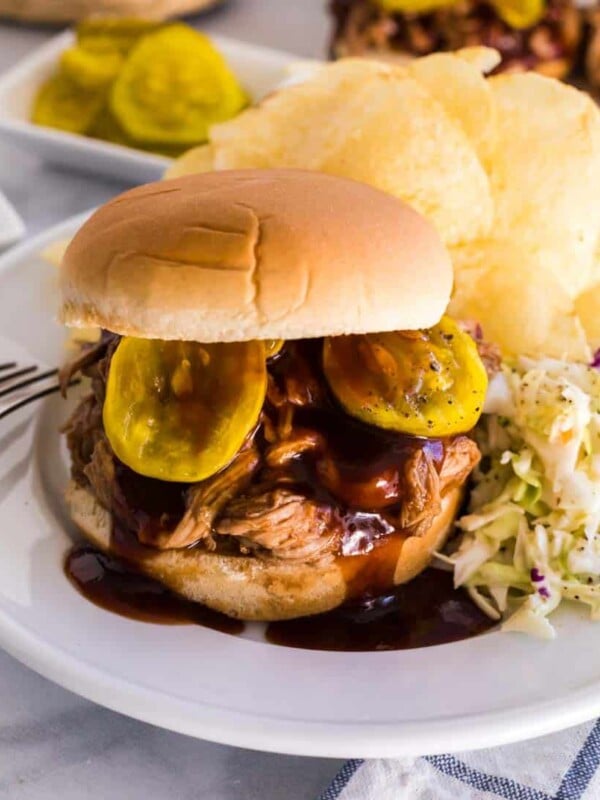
[(427, 611), (110, 584)]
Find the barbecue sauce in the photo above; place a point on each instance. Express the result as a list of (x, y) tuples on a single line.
[(109, 583), (424, 612), (427, 611)]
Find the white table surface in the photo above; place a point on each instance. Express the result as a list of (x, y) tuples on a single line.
[(52, 743)]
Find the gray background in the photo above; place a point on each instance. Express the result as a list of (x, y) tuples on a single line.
[(52, 743)]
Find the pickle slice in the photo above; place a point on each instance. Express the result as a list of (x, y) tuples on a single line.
[(61, 103), (173, 87), (424, 383), (273, 347), (413, 6), (520, 13), (180, 411), (105, 34), (90, 70), (516, 13), (106, 127)]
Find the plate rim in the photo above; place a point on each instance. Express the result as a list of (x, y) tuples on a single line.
[(209, 721)]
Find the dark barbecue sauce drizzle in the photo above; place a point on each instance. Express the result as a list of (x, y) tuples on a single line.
[(365, 463), (427, 611), (110, 584), (424, 612)]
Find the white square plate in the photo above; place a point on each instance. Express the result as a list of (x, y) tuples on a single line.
[(260, 70)]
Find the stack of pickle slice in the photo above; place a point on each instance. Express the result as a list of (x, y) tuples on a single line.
[(140, 83)]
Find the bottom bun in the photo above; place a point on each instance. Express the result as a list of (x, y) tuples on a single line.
[(251, 588)]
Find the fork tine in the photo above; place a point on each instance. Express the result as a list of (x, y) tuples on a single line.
[(8, 365), (22, 384), (37, 396), (17, 374)]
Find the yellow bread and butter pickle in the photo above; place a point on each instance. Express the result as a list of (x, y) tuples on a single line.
[(516, 13), (180, 411), (273, 347), (424, 383), (139, 83)]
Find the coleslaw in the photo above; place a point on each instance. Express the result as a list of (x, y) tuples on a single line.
[(531, 537)]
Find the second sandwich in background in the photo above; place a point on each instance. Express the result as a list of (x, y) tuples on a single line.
[(557, 38)]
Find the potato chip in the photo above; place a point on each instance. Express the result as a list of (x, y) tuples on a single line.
[(372, 122), (587, 306), (595, 273), (53, 253), (545, 174), (79, 336), (465, 95), (426, 133), (198, 159), (485, 59), (300, 71), (520, 308)]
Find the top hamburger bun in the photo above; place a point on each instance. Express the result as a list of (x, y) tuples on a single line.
[(250, 254)]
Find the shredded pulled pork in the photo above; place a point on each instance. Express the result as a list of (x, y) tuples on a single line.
[(489, 352), (206, 500), (83, 430), (460, 460), (426, 486), (281, 523), (92, 457), (423, 498), (89, 360), (300, 442), (100, 472)]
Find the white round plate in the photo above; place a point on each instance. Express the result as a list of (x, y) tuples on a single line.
[(240, 690)]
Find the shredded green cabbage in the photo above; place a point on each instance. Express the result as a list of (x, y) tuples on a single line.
[(531, 537)]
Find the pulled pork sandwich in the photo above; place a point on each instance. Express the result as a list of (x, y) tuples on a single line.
[(278, 418), (548, 36)]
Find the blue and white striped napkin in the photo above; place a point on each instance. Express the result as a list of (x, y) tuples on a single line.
[(563, 766)]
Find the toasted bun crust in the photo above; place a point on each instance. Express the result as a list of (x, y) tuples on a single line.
[(255, 254), (250, 588)]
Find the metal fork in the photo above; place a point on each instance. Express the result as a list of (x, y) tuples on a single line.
[(21, 385)]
